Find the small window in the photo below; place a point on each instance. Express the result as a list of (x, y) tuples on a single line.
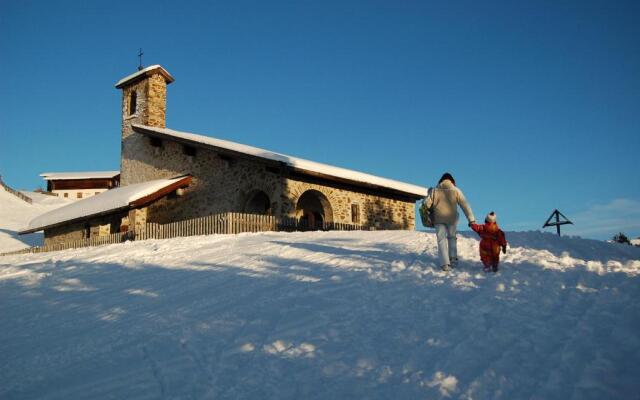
[(355, 213), (66, 195), (273, 170), (133, 102), (79, 195), (155, 142), (189, 150), (226, 160)]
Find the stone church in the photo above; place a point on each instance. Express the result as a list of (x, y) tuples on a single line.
[(203, 175)]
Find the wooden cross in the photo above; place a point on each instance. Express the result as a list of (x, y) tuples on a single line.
[(140, 54), (557, 222)]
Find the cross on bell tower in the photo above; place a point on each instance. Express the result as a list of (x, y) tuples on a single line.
[(140, 54)]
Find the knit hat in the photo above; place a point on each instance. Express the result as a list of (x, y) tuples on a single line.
[(491, 217), (447, 176)]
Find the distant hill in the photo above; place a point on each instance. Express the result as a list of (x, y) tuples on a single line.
[(16, 213)]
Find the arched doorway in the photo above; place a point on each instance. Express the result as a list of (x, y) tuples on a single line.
[(313, 209), (258, 202)]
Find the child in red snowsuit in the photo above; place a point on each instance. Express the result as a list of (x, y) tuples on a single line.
[(492, 240)]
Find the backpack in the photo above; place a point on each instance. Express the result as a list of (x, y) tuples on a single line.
[(426, 214)]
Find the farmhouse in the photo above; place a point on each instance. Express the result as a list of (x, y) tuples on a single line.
[(80, 185), (196, 175)]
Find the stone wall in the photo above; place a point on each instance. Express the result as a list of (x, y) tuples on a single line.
[(150, 110), (64, 234), (381, 212), (222, 183), (99, 226)]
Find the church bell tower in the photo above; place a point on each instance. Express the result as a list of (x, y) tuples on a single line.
[(144, 102)]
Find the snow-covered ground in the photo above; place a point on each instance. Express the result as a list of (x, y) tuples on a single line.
[(15, 215), (334, 315)]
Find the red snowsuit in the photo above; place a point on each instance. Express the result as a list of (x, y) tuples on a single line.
[(492, 240)]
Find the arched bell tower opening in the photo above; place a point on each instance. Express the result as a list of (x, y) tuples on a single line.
[(313, 209), (258, 202), (133, 102)]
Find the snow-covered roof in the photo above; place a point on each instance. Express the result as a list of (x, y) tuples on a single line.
[(145, 72), (298, 163), (79, 175), (106, 202)]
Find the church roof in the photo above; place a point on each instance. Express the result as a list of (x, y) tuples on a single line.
[(143, 73), (315, 168), (119, 199), (80, 175)]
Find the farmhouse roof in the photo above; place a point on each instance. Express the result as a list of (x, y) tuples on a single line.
[(80, 175), (119, 199), (302, 165)]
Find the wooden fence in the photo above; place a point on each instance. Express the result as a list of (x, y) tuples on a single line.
[(223, 223), (15, 192), (76, 244)]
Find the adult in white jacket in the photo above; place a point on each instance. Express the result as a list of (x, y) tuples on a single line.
[(445, 199)]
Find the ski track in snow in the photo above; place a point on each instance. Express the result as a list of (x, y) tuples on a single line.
[(321, 315)]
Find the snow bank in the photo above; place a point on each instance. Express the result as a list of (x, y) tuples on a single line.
[(15, 214), (318, 316)]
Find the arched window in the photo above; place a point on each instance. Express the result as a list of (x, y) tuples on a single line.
[(258, 203), (133, 102)]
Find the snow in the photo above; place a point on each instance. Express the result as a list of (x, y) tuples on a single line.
[(291, 161), (106, 201), (79, 175), (321, 315), (15, 214), (143, 72)]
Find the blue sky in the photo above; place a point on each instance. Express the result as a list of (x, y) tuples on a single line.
[(532, 106)]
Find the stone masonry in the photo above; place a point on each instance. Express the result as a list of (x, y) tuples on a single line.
[(151, 110), (225, 183), (100, 226)]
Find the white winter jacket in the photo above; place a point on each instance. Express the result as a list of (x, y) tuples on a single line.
[(446, 198)]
